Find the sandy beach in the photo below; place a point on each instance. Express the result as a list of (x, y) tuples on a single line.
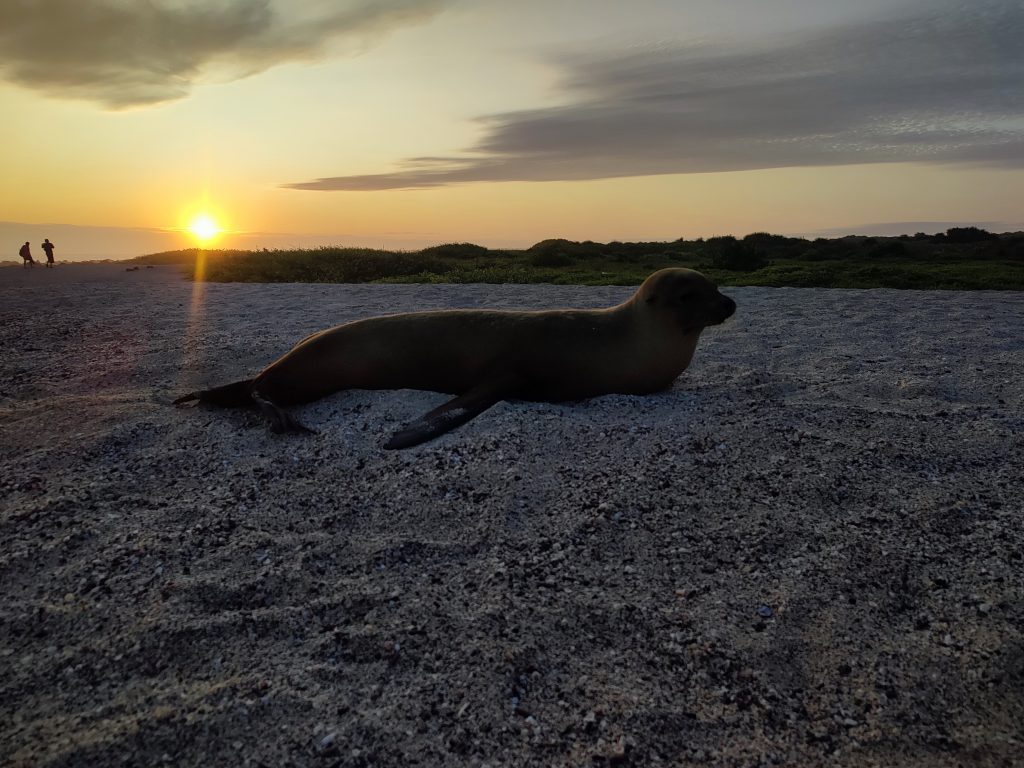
[(807, 552)]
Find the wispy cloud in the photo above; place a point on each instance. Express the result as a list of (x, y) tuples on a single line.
[(942, 84), (124, 53)]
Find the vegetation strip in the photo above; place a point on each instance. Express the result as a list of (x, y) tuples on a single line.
[(963, 258)]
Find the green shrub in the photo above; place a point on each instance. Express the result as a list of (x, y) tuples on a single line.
[(729, 253), (969, 235), (1012, 248), (813, 254), (455, 251), (549, 259), (850, 262), (887, 249)]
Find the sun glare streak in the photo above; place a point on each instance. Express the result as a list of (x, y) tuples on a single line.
[(203, 227), (198, 289), (192, 343), (204, 230)]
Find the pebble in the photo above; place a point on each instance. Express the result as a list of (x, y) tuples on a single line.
[(619, 749), (327, 742)]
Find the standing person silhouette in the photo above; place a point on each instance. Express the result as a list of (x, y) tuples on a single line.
[(26, 254), (48, 247)]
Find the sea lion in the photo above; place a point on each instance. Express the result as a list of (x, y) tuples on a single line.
[(484, 356)]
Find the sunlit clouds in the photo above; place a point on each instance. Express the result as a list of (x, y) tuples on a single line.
[(122, 53), (942, 84)]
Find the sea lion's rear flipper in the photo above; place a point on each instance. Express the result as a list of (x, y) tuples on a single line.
[(280, 420), (447, 417), (234, 395)]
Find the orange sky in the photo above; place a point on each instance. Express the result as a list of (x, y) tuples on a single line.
[(404, 123)]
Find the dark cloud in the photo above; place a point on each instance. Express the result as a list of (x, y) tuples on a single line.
[(944, 84), (123, 53)]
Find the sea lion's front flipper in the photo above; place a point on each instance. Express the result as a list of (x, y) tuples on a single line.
[(447, 417)]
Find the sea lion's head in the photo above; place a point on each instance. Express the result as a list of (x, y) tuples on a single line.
[(687, 297)]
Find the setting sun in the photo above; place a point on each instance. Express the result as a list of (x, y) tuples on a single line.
[(204, 228)]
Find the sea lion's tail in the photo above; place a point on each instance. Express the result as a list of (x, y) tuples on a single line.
[(232, 395)]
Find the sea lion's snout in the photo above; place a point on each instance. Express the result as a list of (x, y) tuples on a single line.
[(719, 309), (728, 307)]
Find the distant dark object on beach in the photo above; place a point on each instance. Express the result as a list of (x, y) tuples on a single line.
[(48, 248), (26, 255)]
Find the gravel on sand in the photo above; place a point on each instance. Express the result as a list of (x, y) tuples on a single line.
[(807, 552)]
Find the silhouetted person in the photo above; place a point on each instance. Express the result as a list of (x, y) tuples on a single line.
[(48, 247), (26, 254)]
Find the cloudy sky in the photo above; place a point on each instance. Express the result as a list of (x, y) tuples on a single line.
[(410, 122)]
